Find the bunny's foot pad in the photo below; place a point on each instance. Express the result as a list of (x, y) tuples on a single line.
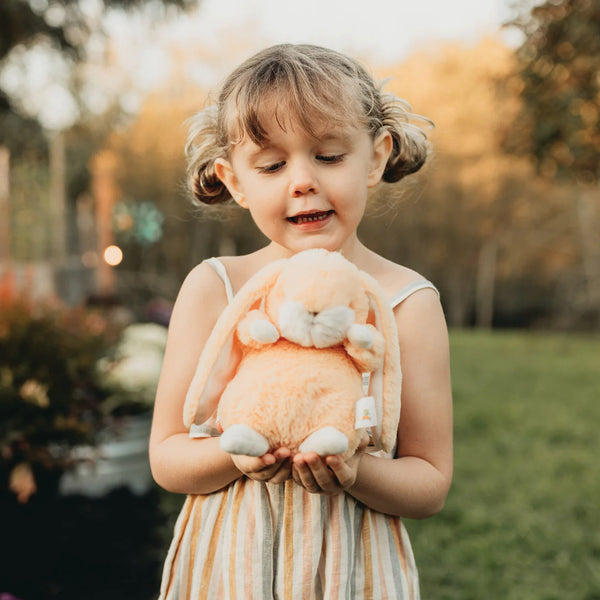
[(325, 442), (241, 439)]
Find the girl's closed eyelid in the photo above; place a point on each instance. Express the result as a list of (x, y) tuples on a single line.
[(273, 168), (331, 158)]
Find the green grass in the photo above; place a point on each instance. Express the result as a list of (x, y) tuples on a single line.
[(522, 520)]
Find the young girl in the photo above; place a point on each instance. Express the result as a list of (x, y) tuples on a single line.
[(298, 137)]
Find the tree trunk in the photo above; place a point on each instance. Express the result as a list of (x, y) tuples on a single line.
[(486, 279), (58, 199), (588, 213), (5, 249)]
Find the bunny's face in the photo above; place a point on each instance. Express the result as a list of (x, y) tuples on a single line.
[(317, 297), (319, 329)]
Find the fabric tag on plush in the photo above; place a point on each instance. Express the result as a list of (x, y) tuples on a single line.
[(364, 411), (203, 431)]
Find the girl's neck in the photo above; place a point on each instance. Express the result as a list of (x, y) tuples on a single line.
[(353, 250)]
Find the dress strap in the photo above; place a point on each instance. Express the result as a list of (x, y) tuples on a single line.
[(410, 289), (221, 271)]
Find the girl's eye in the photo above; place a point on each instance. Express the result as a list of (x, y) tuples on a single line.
[(271, 168), (330, 158)]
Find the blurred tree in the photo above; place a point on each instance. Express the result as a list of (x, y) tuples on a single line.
[(63, 24), (560, 62), (476, 226), (559, 123), (151, 170)]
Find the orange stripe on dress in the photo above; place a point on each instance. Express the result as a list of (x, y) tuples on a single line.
[(182, 522), (383, 592), (307, 545), (212, 549), (249, 537), (334, 531), (396, 528), (235, 509), (196, 516), (368, 566), (288, 539)]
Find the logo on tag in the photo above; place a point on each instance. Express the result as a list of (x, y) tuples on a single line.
[(364, 412)]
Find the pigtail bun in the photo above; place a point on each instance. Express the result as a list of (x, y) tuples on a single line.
[(202, 149), (410, 145)]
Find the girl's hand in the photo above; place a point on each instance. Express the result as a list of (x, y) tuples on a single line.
[(272, 467), (329, 475)]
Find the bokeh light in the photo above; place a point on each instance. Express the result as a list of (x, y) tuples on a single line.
[(113, 255)]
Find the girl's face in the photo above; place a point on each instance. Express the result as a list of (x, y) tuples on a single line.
[(304, 191)]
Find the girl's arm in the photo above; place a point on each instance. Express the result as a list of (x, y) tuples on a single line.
[(416, 483), (181, 464)]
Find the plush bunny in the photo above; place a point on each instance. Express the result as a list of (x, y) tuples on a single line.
[(286, 363)]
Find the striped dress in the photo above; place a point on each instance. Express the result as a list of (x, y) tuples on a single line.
[(260, 541)]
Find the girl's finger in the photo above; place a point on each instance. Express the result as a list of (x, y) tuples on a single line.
[(318, 477), (343, 473), (303, 475)]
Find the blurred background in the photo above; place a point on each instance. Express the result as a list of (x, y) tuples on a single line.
[(97, 233)]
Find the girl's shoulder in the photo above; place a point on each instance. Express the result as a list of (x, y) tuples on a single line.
[(240, 268), (202, 287), (392, 277)]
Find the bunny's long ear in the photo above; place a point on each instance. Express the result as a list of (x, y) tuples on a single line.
[(222, 353), (385, 383)]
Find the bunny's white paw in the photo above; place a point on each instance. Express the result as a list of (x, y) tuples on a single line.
[(324, 442), (263, 332), (360, 336), (241, 439)]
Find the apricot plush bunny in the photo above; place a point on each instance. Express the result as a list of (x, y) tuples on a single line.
[(286, 364)]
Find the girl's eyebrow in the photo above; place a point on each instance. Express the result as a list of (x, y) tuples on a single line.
[(259, 151)]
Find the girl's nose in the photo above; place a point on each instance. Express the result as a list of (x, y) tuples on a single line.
[(302, 181)]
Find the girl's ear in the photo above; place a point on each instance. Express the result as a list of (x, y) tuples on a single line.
[(224, 171), (382, 148)]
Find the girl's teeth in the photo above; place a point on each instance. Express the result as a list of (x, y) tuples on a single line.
[(311, 218)]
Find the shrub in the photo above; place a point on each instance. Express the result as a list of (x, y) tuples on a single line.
[(51, 392)]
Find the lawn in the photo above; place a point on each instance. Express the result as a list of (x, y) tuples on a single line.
[(523, 517)]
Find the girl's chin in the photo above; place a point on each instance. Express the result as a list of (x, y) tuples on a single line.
[(315, 242)]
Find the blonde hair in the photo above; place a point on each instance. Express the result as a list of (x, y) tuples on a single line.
[(310, 86)]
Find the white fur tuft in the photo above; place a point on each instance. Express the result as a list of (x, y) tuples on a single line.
[(264, 332), (294, 323), (360, 336), (330, 326)]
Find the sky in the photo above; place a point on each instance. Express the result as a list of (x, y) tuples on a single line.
[(382, 30), (377, 32)]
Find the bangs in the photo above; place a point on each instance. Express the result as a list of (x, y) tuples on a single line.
[(298, 94)]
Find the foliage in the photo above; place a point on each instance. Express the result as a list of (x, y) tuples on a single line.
[(521, 518), (64, 22), (51, 393), (560, 61)]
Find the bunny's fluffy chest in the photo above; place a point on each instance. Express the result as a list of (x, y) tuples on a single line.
[(292, 391)]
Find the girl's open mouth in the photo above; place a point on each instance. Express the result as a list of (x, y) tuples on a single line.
[(310, 217)]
